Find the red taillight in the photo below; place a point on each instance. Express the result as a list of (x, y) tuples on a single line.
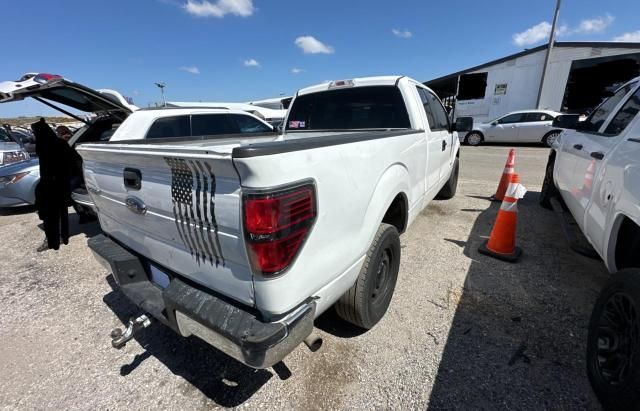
[(276, 225), (45, 77)]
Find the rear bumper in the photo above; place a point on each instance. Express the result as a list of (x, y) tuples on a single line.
[(192, 310)]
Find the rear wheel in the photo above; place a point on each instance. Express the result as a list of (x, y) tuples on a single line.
[(448, 191), (550, 137), (474, 138), (549, 189), (613, 345), (366, 302)]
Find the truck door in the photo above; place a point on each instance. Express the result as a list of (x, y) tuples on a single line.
[(610, 153), (583, 151), (434, 142), (442, 129)]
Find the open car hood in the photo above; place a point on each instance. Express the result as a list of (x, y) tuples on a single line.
[(55, 89)]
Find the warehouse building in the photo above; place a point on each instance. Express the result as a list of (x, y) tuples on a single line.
[(578, 77)]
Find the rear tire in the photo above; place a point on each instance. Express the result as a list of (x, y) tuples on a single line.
[(549, 189), (366, 302), (474, 138), (448, 191), (550, 137), (613, 345)]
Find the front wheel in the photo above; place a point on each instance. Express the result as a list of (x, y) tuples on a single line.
[(366, 302), (613, 345), (473, 139)]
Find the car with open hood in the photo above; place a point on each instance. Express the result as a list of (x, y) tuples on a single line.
[(101, 111)]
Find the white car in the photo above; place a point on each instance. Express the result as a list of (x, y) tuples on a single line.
[(595, 167), (527, 126), (244, 240)]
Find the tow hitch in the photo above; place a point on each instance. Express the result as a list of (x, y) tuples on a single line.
[(119, 338)]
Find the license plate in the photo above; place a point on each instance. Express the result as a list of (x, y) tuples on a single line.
[(159, 277)]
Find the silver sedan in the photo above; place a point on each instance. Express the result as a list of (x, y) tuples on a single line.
[(18, 183), (528, 126)]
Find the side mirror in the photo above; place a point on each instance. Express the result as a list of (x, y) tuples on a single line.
[(494, 123), (568, 121), (463, 124)]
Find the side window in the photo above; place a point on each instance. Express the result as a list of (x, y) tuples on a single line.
[(165, 127), (248, 124), (427, 107), (211, 125), (512, 118), (442, 121), (625, 115), (602, 112), (531, 117)]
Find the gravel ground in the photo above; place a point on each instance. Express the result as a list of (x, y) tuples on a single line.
[(463, 330)]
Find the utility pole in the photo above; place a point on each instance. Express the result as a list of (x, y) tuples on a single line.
[(161, 86), (552, 39)]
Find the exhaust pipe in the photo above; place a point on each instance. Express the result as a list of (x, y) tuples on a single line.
[(313, 341)]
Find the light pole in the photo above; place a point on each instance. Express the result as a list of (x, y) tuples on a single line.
[(161, 86), (552, 38)]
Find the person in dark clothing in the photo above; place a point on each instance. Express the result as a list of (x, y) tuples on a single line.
[(53, 194)]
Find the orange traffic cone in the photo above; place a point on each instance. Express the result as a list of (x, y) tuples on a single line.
[(506, 176), (502, 241)]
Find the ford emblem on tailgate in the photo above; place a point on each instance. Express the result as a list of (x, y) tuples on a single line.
[(136, 205)]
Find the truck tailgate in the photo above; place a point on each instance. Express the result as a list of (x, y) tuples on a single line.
[(184, 216)]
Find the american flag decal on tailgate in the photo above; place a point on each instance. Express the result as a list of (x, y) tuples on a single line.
[(193, 192)]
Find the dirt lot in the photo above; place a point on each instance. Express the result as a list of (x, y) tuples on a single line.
[(463, 330)]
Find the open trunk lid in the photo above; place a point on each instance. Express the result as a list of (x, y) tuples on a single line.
[(175, 205), (48, 88)]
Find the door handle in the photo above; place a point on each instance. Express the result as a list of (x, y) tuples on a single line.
[(597, 155), (444, 145), (132, 178), (577, 146)]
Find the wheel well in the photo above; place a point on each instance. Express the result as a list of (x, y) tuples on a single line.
[(627, 245), (397, 213)]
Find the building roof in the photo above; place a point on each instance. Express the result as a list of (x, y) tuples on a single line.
[(602, 44)]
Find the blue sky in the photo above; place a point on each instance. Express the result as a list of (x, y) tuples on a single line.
[(238, 50)]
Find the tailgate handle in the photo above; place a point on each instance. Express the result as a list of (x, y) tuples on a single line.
[(132, 178)]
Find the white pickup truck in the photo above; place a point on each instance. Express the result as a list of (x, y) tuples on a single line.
[(595, 167), (244, 240)]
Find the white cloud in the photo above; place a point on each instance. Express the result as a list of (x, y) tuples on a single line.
[(192, 69), (219, 8), (251, 63), (311, 45), (595, 25), (538, 33), (532, 35), (631, 37), (404, 34), (296, 70)]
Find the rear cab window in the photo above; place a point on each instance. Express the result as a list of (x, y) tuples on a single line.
[(370, 107)]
